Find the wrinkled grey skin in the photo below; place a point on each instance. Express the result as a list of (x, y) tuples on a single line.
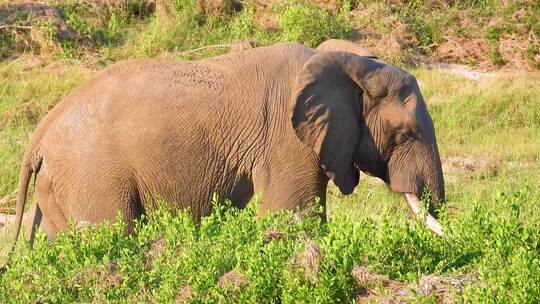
[(278, 121), (337, 45)]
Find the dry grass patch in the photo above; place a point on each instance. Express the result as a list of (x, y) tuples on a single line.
[(233, 280), (309, 261), (184, 295), (443, 289)]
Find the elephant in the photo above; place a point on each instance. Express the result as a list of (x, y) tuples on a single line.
[(278, 121), (334, 45)]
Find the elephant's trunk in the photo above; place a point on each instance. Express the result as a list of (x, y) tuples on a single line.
[(432, 177), (414, 203)]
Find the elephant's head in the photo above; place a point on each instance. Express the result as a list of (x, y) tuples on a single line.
[(360, 114), (338, 45)]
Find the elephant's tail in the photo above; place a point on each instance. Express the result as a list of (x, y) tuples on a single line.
[(28, 167)]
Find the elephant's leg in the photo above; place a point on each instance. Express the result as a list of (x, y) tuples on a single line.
[(104, 201), (48, 216), (35, 222), (41, 222), (133, 206), (48, 228), (298, 192), (242, 192)]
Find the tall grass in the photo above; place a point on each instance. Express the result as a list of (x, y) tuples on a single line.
[(26, 94), (473, 118)]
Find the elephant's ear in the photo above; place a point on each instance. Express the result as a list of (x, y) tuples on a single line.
[(327, 113)]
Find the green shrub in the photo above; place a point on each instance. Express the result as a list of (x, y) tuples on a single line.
[(312, 25), (188, 30), (171, 256), (426, 33)]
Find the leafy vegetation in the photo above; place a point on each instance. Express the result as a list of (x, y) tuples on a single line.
[(169, 257), (487, 34), (312, 25), (488, 135)]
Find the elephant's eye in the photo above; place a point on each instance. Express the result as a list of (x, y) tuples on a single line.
[(404, 137)]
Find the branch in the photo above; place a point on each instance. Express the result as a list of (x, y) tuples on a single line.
[(5, 26), (7, 211), (7, 198), (206, 47)]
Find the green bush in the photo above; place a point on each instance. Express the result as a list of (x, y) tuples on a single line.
[(188, 30), (312, 25), (171, 256)]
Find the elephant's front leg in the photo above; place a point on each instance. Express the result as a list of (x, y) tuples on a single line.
[(303, 192)]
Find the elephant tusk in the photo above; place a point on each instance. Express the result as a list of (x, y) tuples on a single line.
[(414, 203)]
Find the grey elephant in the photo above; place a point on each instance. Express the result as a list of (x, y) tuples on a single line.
[(278, 121)]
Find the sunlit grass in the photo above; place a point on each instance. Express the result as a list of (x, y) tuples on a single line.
[(498, 118), (26, 94)]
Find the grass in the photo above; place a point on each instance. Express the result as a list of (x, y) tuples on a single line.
[(486, 34), (488, 135), (26, 94), (473, 117), (310, 24)]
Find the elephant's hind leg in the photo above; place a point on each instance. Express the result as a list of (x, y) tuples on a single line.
[(130, 205), (105, 199), (43, 223), (89, 198), (48, 216)]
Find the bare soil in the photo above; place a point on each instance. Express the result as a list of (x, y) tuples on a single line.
[(373, 287)]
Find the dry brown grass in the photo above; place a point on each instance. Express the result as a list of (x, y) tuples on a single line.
[(373, 287), (445, 288), (33, 25), (106, 276), (222, 8), (461, 50), (233, 280), (308, 261), (378, 288), (379, 30), (242, 45), (184, 295), (271, 235), (380, 26), (461, 36), (155, 250)]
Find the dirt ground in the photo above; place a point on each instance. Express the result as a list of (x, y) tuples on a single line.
[(376, 288)]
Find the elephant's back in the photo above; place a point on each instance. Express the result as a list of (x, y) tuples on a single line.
[(138, 94), (129, 109), (337, 45)]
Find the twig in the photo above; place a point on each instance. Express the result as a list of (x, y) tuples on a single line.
[(448, 263), (206, 47), (4, 26), (9, 211), (7, 198)]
